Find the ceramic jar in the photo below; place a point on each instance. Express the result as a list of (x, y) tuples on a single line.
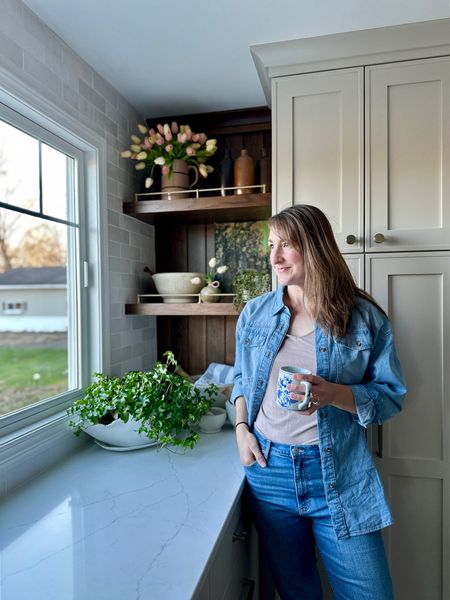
[(226, 172), (210, 291), (178, 180), (244, 173)]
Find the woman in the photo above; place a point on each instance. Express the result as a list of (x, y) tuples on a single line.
[(311, 477)]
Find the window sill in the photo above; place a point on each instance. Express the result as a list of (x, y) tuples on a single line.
[(33, 449)]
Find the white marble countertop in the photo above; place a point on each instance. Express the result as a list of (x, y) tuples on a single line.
[(119, 526)]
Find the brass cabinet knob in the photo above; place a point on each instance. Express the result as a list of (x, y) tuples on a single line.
[(350, 239), (378, 238)]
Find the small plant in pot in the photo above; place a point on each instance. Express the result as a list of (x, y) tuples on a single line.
[(249, 284), (160, 406)]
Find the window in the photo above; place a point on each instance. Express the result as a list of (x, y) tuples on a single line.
[(44, 266), (14, 308)]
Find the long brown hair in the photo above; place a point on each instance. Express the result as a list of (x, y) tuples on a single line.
[(329, 286)]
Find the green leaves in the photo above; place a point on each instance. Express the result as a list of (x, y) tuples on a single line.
[(166, 404), (249, 284)]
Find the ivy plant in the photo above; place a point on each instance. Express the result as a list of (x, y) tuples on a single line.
[(165, 404)]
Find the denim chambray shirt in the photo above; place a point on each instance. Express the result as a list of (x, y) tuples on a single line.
[(366, 360)]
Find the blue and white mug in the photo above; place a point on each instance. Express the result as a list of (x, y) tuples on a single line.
[(284, 395)]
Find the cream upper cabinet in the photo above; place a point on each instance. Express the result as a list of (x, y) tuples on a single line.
[(408, 156), (387, 162), (318, 150)]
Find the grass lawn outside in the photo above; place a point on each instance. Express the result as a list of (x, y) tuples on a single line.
[(28, 375)]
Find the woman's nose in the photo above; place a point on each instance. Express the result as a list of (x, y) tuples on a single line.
[(275, 256)]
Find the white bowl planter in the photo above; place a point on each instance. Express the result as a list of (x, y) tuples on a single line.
[(119, 433), (178, 283)]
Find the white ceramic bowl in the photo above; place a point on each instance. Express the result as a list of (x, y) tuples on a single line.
[(213, 421), (178, 283), (118, 433), (231, 412)]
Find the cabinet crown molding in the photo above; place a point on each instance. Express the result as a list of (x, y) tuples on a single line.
[(425, 39)]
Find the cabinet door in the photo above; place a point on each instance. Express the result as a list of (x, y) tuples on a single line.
[(355, 263), (229, 566), (415, 465), (408, 155), (318, 147)]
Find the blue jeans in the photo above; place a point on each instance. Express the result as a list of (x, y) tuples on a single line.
[(292, 518)]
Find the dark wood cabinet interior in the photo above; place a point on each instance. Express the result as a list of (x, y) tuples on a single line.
[(199, 334)]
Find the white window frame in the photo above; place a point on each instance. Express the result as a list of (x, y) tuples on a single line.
[(36, 425)]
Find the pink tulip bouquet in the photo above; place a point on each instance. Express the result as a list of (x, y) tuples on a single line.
[(167, 143)]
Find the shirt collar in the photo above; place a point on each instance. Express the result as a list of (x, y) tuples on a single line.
[(278, 304)]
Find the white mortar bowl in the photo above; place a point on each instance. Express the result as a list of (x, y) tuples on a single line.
[(213, 421), (178, 283)]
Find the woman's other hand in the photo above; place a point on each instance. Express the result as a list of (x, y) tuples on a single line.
[(249, 450)]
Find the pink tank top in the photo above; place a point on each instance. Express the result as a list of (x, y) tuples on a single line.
[(278, 424)]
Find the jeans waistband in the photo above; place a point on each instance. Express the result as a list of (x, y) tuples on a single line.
[(305, 450)]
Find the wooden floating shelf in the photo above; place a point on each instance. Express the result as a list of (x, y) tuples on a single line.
[(196, 309), (211, 209)]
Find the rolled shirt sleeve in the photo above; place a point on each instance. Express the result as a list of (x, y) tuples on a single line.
[(380, 395)]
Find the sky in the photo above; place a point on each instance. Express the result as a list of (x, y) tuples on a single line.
[(19, 176)]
